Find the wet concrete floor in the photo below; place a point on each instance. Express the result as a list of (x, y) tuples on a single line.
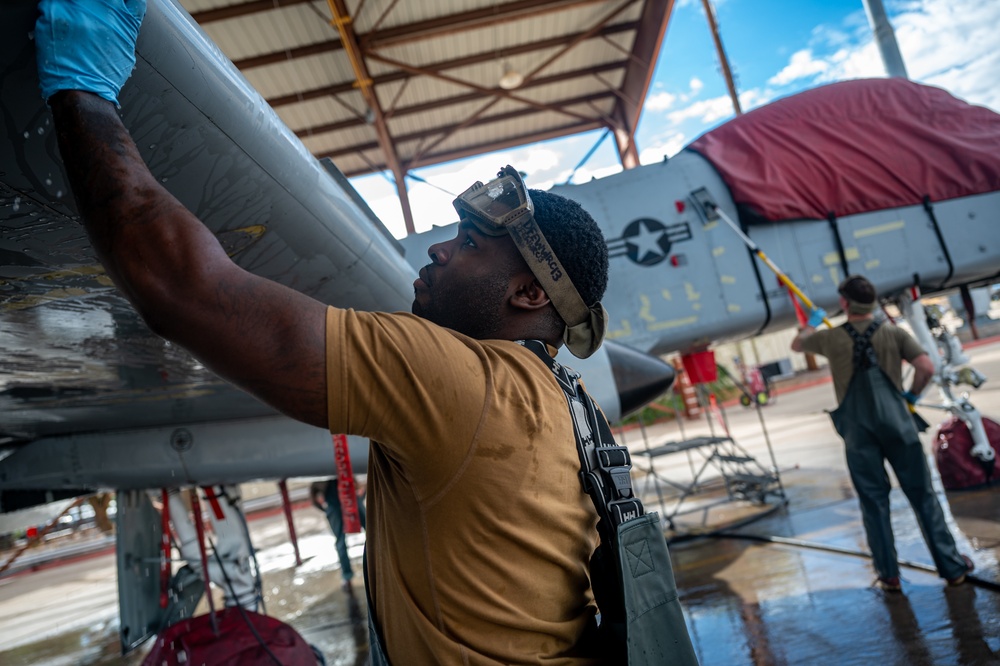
[(772, 582)]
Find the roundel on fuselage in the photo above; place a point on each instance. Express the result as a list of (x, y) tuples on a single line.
[(646, 241)]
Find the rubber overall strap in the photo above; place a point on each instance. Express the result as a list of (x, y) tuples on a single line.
[(604, 466), (376, 645), (864, 353)]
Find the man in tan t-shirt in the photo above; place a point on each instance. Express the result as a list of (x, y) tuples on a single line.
[(866, 365), (479, 531)]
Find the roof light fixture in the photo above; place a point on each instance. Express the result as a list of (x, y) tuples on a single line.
[(511, 78)]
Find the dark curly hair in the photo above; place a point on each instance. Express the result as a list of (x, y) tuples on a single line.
[(576, 239)]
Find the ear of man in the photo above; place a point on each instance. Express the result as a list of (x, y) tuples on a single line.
[(528, 293)]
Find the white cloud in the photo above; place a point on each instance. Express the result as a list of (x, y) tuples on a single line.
[(755, 97), (707, 111), (668, 146), (661, 101), (862, 61), (801, 65), (953, 45), (948, 43), (583, 174)]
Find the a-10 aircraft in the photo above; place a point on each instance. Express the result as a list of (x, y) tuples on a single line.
[(898, 181)]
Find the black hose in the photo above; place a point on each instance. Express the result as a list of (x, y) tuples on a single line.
[(242, 611), (799, 543)]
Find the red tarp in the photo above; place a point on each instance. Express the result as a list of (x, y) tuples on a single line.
[(854, 147)]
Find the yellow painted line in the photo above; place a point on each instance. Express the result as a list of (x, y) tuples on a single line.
[(691, 293), (817, 279), (879, 229), (732, 307), (833, 275), (710, 226), (832, 258), (644, 313), (872, 264), (673, 323), (625, 330), (666, 295), (727, 279), (718, 251), (696, 306)]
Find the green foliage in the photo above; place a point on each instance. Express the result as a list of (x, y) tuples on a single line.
[(670, 405)]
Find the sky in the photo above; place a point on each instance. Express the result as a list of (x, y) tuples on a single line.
[(775, 48)]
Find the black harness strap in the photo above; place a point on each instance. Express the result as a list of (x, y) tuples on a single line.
[(864, 353), (604, 466)]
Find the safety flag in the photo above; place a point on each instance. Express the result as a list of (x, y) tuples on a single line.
[(800, 314), (346, 491)]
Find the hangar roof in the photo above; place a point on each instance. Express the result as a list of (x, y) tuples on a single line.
[(399, 84)]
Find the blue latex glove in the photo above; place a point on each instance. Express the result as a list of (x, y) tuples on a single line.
[(816, 317), (910, 397), (87, 45)]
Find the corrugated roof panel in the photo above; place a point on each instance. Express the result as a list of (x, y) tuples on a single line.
[(579, 87), (405, 13), (586, 71), (624, 41), (488, 74), (323, 111), (377, 69), (445, 115), (357, 136), (423, 89), (194, 6), (300, 74), (269, 31)]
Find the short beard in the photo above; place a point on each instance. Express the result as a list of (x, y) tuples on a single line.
[(475, 308)]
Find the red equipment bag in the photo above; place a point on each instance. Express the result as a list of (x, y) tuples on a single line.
[(959, 469), (192, 642)]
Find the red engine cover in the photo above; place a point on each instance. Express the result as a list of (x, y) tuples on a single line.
[(959, 469), (191, 642)]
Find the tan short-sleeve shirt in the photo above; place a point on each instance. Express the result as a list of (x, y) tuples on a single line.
[(479, 532), (892, 346)]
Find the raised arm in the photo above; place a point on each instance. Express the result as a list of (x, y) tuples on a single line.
[(266, 338), (816, 316)]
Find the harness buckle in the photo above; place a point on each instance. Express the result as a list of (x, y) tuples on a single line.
[(624, 510)]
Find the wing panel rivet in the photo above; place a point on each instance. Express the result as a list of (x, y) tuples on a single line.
[(181, 439)]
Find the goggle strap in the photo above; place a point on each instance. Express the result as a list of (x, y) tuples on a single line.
[(548, 270)]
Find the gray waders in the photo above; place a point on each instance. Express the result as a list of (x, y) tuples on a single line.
[(876, 426)]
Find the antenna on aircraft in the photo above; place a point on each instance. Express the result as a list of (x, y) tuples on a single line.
[(710, 212)]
